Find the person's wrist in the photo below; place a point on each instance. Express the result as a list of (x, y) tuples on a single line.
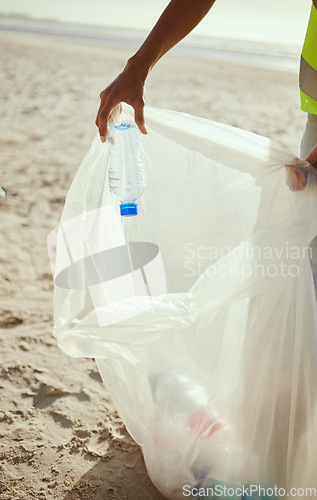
[(138, 67)]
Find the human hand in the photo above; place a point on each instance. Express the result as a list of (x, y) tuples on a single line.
[(127, 87), (297, 174), (297, 171)]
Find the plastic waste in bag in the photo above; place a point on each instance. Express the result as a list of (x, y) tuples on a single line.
[(201, 311), (126, 173), (184, 418)]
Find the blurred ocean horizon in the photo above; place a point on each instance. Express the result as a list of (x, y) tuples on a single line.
[(269, 55)]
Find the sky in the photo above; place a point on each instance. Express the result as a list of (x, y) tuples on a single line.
[(281, 21)]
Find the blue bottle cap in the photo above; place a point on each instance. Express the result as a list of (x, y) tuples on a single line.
[(128, 209)]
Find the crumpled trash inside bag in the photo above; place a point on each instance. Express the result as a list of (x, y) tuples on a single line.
[(200, 311)]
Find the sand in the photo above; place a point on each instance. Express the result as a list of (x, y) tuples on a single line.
[(60, 435)]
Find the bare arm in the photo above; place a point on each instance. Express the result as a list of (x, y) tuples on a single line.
[(178, 19)]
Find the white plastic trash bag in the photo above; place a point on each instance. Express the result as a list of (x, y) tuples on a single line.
[(200, 311)]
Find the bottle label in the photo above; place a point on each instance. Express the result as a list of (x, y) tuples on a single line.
[(123, 126)]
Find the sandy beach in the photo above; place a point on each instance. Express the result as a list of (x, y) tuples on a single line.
[(60, 435)]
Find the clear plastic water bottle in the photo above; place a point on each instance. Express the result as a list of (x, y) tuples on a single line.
[(185, 401), (126, 173), (176, 394)]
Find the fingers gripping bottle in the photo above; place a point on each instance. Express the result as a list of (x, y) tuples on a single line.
[(126, 173)]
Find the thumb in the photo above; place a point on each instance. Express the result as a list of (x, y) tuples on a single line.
[(139, 116)]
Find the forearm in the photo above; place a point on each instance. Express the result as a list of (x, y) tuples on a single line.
[(178, 19)]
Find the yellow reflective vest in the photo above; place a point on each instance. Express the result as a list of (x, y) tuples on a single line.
[(308, 66)]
